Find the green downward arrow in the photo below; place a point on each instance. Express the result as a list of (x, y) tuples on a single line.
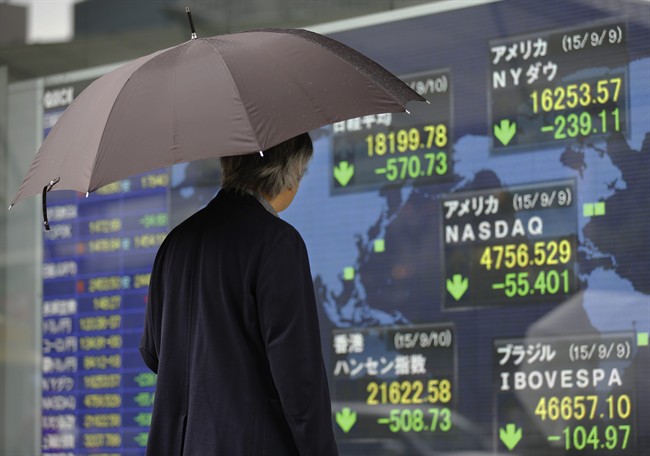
[(457, 286), (505, 131), (346, 419), (510, 436), (144, 399), (141, 439), (145, 379), (343, 173), (143, 419)]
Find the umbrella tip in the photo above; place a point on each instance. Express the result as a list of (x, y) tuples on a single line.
[(10, 206), (407, 111), (193, 36), (87, 193), (261, 153)]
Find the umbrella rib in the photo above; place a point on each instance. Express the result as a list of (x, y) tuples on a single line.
[(101, 138), (93, 187), (248, 118), (174, 147), (363, 71), (173, 132), (330, 45)]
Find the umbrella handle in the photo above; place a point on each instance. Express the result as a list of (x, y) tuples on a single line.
[(189, 16), (46, 189)]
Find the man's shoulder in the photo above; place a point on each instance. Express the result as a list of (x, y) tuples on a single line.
[(236, 214)]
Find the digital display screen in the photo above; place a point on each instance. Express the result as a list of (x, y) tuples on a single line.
[(480, 263), (559, 85), (96, 394), (503, 245), (373, 151)]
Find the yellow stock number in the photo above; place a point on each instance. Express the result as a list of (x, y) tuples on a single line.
[(407, 140), (103, 420), (583, 408), (112, 440), (155, 180), (544, 253), (574, 95), (409, 392)]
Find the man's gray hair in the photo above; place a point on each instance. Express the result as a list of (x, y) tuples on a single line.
[(281, 167)]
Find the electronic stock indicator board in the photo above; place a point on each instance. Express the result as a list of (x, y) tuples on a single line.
[(487, 310), (515, 245), (559, 86), (97, 395), (479, 264), (577, 393), (396, 380), (372, 151)]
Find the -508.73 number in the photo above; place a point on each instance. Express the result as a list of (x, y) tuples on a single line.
[(416, 420)]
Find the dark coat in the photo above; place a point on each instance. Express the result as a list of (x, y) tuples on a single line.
[(231, 329)]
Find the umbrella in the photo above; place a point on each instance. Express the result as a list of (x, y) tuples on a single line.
[(208, 97)]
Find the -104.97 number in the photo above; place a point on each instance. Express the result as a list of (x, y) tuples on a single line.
[(594, 437)]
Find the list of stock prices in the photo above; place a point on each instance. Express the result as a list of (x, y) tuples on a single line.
[(567, 395), (398, 380), (503, 250), (558, 86), (510, 246), (376, 150), (97, 395)]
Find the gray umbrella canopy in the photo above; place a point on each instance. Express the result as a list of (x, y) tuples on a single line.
[(225, 95)]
